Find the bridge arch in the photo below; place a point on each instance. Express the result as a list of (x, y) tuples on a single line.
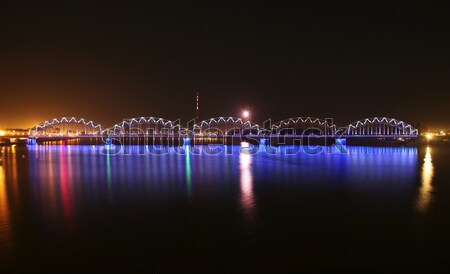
[(144, 126), (226, 126), (67, 126), (380, 126), (303, 126)]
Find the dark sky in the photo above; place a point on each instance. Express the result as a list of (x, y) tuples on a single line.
[(108, 61)]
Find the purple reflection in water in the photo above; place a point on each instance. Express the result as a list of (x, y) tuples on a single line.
[(69, 200), (85, 173)]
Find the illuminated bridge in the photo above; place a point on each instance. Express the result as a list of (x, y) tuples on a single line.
[(379, 127), (66, 126), (223, 127)]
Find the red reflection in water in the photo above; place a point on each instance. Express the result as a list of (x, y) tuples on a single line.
[(65, 186)]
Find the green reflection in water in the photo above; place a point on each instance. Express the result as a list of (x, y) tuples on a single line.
[(188, 172), (108, 173)]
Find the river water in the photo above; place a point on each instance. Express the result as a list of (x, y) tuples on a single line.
[(90, 208)]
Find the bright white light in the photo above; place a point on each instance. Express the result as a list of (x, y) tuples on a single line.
[(246, 114), (245, 144), (428, 136)]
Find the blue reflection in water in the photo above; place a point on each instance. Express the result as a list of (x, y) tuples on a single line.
[(66, 178), (77, 204)]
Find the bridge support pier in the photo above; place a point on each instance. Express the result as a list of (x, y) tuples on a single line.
[(186, 141), (263, 141), (341, 144), (31, 141), (108, 141)]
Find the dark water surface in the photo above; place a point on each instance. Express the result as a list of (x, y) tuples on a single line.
[(71, 208)]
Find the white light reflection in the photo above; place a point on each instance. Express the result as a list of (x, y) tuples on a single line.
[(426, 189), (246, 184)]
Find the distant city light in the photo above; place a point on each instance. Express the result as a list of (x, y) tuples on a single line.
[(428, 136), (2, 133)]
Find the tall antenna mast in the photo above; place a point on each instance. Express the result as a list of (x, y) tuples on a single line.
[(197, 110)]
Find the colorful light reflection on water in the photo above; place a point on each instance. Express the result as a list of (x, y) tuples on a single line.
[(61, 191)]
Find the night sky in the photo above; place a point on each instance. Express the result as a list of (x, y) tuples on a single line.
[(107, 61)]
